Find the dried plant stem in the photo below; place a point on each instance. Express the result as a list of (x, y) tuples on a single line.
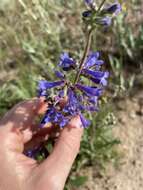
[(86, 52)]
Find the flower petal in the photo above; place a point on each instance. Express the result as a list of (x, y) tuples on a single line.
[(89, 90), (113, 9), (66, 62), (93, 60), (64, 122), (87, 13), (59, 74), (44, 85), (98, 77), (84, 121), (89, 2), (105, 21)]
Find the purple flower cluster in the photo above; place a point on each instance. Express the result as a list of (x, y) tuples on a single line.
[(78, 98), (78, 86), (102, 16)]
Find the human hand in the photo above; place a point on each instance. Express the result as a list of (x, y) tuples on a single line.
[(19, 172)]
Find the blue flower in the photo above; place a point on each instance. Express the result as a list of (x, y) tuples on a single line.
[(87, 13), (89, 90), (46, 119), (93, 99), (71, 97), (61, 94), (84, 121), (80, 97), (44, 85), (42, 93), (89, 2), (105, 21), (93, 103), (59, 74), (30, 153), (64, 121), (66, 62), (103, 80), (55, 116), (33, 152), (93, 60), (51, 116), (98, 77), (113, 9), (72, 105)]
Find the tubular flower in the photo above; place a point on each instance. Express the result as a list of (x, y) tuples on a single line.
[(79, 97), (66, 62), (71, 95), (113, 8), (98, 77), (43, 86), (102, 16), (59, 74), (87, 13), (93, 60), (67, 98), (89, 2), (89, 90), (105, 21)]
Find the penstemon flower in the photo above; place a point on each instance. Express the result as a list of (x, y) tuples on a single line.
[(102, 15), (113, 8), (67, 98), (79, 97), (78, 94), (90, 3)]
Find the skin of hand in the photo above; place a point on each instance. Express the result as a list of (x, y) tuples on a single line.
[(18, 172)]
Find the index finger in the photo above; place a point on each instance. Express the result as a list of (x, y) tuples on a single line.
[(23, 114)]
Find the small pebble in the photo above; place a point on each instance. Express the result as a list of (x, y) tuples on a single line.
[(132, 115)]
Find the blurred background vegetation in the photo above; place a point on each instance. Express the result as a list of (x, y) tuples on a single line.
[(32, 36)]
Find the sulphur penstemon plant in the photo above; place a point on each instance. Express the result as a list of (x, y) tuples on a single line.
[(77, 95)]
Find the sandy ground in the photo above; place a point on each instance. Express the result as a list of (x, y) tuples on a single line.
[(129, 175)]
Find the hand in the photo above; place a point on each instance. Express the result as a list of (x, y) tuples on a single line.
[(19, 172)]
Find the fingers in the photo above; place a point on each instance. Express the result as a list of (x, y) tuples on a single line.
[(41, 136), (15, 127), (64, 153), (27, 135), (38, 138), (23, 114)]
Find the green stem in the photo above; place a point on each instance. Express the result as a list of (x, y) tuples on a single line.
[(101, 5), (85, 54), (87, 49)]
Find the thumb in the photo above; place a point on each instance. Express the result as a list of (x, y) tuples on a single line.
[(65, 151)]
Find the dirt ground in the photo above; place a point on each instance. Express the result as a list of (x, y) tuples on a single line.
[(129, 175)]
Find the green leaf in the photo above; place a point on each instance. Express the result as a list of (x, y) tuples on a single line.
[(79, 181)]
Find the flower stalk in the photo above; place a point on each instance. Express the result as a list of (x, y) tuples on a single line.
[(85, 54), (80, 97), (101, 5)]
